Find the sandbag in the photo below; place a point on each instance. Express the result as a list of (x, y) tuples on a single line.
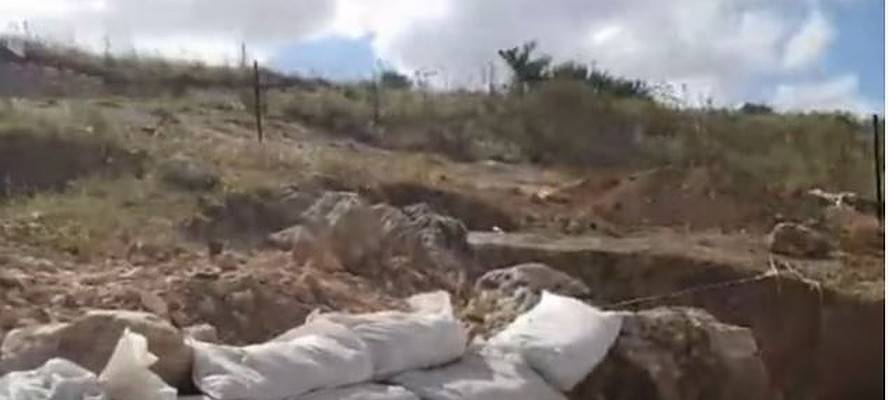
[(427, 336), (482, 375), (127, 377), (368, 391), (561, 338), (57, 379), (282, 369)]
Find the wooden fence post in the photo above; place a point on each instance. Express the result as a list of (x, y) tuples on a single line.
[(257, 104), (878, 166)]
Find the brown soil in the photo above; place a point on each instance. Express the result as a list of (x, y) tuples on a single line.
[(696, 199)]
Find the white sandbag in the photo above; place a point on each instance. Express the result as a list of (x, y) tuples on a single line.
[(57, 379), (127, 375), (367, 391), (484, 375), (281, 369), (561, 338), (399, 341)]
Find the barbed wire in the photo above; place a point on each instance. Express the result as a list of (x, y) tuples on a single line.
[(772, 272)]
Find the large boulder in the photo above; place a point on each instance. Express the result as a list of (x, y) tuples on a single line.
[(503, 294), (412, 247), (89, 341), (679, 354), (533, 276), (798, 240)]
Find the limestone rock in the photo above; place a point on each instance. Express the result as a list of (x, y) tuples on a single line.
[(679, 354)]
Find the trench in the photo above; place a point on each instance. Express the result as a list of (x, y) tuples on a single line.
[(816, 344)]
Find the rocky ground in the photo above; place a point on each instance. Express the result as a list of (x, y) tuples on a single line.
[(202, 227)]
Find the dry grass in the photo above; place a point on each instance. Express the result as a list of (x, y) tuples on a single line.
[(564, 123), (99, 218)]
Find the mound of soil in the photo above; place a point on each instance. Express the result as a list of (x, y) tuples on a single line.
[(698, 198)]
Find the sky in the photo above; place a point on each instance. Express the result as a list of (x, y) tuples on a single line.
[(793, 54)]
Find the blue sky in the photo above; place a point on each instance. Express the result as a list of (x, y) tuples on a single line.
[(331, 57), (860, 46), (794, 54)]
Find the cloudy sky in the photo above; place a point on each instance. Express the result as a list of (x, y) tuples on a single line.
[(794, 54)]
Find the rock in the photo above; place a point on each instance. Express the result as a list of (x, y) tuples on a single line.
[(189, 175), (503, 294), (533, 276), (679, 354), (330, 207), (203, 332), (384, 241), (12, 279), (28, 347), (89, 340), (296, 237), (228, 261), (154, 303), (798, 241)]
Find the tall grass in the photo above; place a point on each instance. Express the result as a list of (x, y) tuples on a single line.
[(563, 122)]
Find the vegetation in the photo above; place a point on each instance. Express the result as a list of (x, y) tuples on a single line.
[(567, 122), (526, 69), (572, 115), (136, 74), (529, 70), (391, 79)]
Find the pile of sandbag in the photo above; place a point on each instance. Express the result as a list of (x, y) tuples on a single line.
[(417, 354), (333, 350)]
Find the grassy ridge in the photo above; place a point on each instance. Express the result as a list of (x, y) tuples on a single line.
[(565, 123)]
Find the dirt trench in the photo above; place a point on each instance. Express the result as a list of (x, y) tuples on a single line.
[(816, 343)]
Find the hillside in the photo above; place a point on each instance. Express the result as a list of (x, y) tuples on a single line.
[(164, 201)]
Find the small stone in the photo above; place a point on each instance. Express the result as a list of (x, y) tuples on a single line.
[(203, 332), (10, 279)]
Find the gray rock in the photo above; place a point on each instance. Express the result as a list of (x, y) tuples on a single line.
[(388, 242), (533, 276), (189, 175), (679, 354), (798, 241)]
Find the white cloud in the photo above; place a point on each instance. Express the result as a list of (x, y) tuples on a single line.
[(837, 93), (722, 43), (722, 49), (211, 30), (810, 43)]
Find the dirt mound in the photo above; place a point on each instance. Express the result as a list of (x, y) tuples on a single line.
[(698, 198), (31, 162), (374, 254), (247, 301)]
